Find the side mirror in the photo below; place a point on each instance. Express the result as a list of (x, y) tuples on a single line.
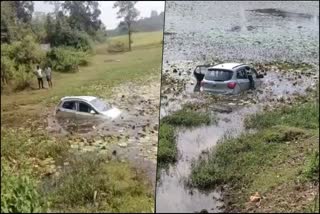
[(92, 112), (259, 76)]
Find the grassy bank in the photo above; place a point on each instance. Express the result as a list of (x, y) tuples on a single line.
[(31, 177), (186, 117), (279, 163)]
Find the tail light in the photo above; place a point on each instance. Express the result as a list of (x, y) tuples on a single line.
[(231, 85)]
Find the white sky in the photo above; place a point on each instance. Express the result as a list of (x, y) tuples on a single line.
[(109, 15)]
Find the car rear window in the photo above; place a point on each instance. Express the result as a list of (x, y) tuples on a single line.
[(218, 75)]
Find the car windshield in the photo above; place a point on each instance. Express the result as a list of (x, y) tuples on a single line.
[(100, 105), (218, 75)]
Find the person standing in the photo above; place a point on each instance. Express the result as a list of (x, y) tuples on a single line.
[(38, 73), (48, 76)]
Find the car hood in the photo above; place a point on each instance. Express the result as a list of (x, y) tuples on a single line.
[(112, 113)]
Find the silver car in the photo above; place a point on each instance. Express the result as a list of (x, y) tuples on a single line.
[(230, 78), (86, 107)]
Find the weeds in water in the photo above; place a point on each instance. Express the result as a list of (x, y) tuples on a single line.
[(187, 118), (274, 156), (167, 152)]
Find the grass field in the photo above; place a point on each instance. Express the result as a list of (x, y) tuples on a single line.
[(29, 153), (280, 162)]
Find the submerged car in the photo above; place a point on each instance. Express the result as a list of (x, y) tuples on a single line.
[(227, 78), (86, 107)]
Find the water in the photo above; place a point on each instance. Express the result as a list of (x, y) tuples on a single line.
[(211, 32)]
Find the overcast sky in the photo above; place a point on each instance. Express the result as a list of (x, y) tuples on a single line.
[(109, 15)]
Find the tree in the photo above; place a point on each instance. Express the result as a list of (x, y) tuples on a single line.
[(15, 19), (83, 15), (24, 10), (129, 13)]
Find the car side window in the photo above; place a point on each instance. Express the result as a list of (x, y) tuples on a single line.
[(242, 74), (69, 105), (83, 107)]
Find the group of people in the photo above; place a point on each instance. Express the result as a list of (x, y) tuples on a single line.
[(43, 73)]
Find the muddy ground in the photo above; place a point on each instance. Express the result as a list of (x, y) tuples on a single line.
[(195, 35), (132, 137)]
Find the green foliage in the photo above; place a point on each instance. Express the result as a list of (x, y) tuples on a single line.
[(63, 35), (109, 186), (66, 59), (83, 16), (188, 118), (167, 145), (19, 193), (18, 61), (271, 160), (304, 115)]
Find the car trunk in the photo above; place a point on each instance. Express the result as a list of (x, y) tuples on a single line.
[(218, 81)]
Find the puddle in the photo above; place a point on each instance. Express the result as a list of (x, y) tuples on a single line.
[(196, 36)]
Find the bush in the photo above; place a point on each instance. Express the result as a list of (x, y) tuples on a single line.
[(18, 193), (68, 37), (66, 59), (116, 47), (18, 61)]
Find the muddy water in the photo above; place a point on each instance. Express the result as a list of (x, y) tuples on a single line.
[(213, 32), (257, 31), (131, 137)]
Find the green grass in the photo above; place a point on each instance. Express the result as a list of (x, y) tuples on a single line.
[(94, 184), (167, 150), (188, 118), (30, 156), (26, 157), (283, 153), (305, 115), (98, 78)]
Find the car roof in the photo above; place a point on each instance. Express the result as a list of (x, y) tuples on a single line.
[(85, 98), (228, 66)]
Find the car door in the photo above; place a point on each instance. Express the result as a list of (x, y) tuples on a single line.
[(256, 80), (67, 109), (66, 115), (85, 119), (242, 78)]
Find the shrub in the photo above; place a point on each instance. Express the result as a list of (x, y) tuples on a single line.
[(19, 193), (18, 60), (66, 59), (71, 38)]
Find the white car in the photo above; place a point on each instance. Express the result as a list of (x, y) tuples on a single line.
[(228, 78), (86, 107)]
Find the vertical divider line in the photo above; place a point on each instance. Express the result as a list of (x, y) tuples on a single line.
[(161, 70)]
